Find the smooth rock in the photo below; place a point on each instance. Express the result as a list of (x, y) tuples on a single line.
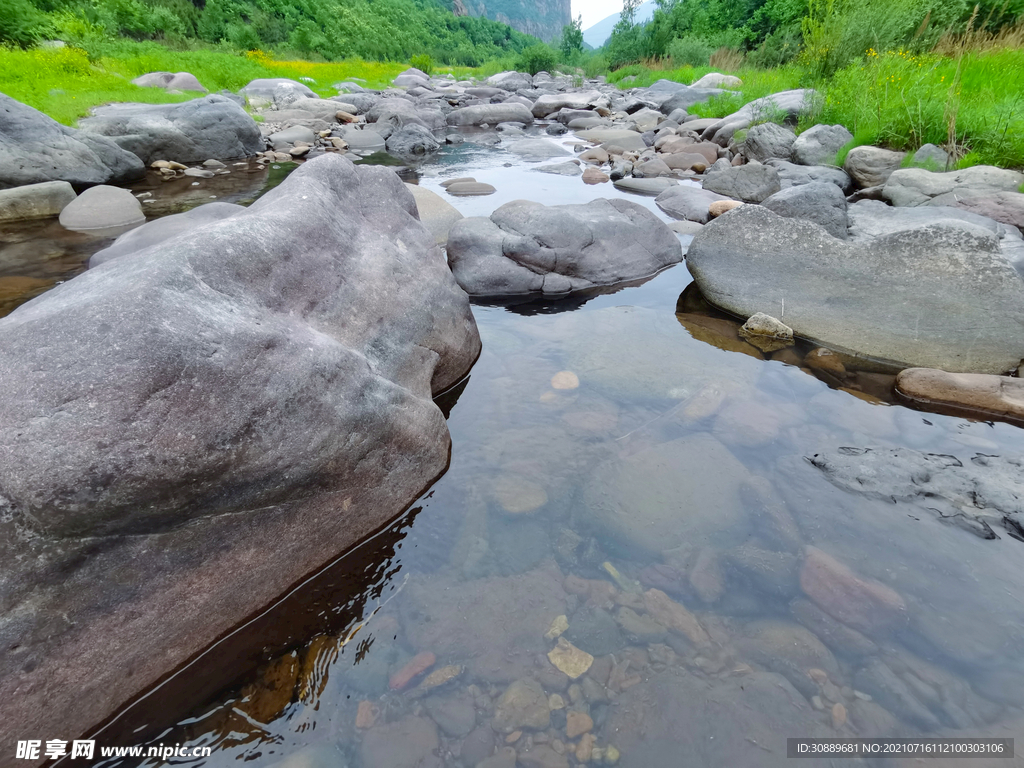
[(401, 744), (266, 90), (526, 247), (102, 208), (688, 202), (793, 175), (893, 298), (717, 80), (537, 149), (568, 168), (767, 140), (932, 156), (720, 207), (820, 144), (35, 148), (872, 166), (490, 114), (981, 392), (470, 189), (593, 176), (818, 202), (436, 213), (863, 604), (788, 649), (35, 201), (749, 183), (523, 705), (549, 103), (646, 187), (190, 132), (170, 81)]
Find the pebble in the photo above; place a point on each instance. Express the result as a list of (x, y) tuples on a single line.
[(826, 360), (513, 737), (555, 701), (416, 666), (565, 380), (517, 495), (367, 714), (558, 626), (569, 659), (436, 679), (577, 723), (585, 748), (470, 189), (838, 716), (719, 207), (199, 173)]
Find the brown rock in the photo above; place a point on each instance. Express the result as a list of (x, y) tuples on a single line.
[(826, 360), (719, 207), (838, 716), (592, 175), (577, 723), (267, 698), (866, 605), (585, 748), (666, 611), (417, 665), (986, 393), (367, 714)]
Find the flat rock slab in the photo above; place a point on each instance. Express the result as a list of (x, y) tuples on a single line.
[(687, 202), (470, 189), (646, 187), (192, 429), (171, 81), (490, 114), (982, 392), (934, 297), (526, 247)]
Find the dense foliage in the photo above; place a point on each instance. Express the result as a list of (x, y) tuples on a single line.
[(326, 29)]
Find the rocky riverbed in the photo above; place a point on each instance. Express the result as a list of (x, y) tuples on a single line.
[(680, 521)]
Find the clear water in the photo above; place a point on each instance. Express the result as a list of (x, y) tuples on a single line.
[(679, 463)]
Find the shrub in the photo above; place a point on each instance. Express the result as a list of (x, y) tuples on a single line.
[(690, 51), (21, 24), (537, 58), (423, 62)]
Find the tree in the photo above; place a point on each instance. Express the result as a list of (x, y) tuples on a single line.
[(572, 40)]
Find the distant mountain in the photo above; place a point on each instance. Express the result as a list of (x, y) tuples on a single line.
[(598, 34), (540, 18)]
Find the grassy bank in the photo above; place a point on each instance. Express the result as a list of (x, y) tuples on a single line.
[(893, 99), (65, 83)]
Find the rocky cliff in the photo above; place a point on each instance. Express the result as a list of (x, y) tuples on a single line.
[(543, 19)]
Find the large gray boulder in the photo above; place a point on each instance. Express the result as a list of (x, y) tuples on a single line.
[(35, 201), (400, 112), (412, 141), (490, 114), (820, 202), (35, 148), (193, 131), (511, 81), (939, 296), (436, 213), (871, 166), (917, 186), (785, 106), (525, 247), (549, 103), (171, 81), (749, 183), (767, 140), (279, 90), (820, 144), (102, 210), (793, 175), (157, 231), (192, 429), (688, 203)]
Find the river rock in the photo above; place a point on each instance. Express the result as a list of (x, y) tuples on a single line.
[(676, 718), (636, 501), (269, 90), (646, 187), (35, 148), (749, 183), (190, 132), (171, 81), (537, 149), (917, 186), (436, 213), (363, 140), (511, 80), (619, 137), (490, 114), (402, 744), (470, 189), (981, 392), (549, 103), (455, 714), (102, 209), (688, 202), (767, 140), (568, 168), (412, 141), (283, 140), (820, 144), (526, 247), (410, 78), (872, 166), (594, 631), (893, 298), (843, 640), (818, 202), (863, 604), (717, 80), (523, 705), (228, 372), (1005, 207), (322, 109), (785, 106), (790, 650), (793, 175), (35, 201), (934, 156), (164, 228), (882, 684)]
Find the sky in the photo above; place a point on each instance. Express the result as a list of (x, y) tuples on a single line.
[(594, 10)]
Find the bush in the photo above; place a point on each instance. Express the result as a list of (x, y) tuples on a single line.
[(690, 51), (423, 62), (537, 58), (22, 24)]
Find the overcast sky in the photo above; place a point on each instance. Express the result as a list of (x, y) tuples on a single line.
[(594, 10)]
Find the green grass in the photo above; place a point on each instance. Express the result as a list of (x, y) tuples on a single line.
[(64, 83)]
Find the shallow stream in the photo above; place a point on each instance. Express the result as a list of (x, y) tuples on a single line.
[(631, 464)]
